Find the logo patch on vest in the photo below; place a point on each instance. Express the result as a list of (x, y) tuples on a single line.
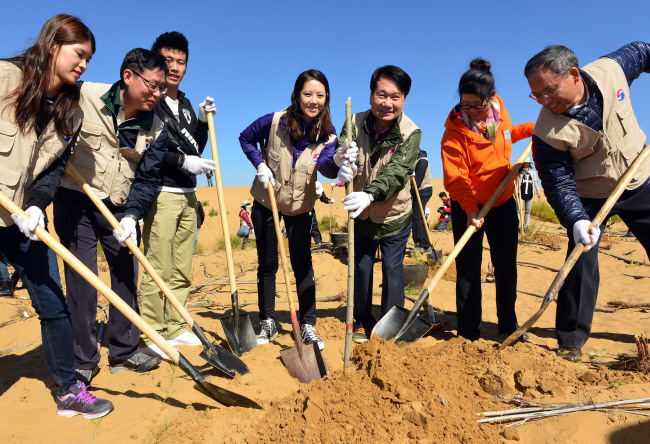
[(67, 138), (315, 157), (188, 116), (391, 152), (620, 95), (506, 134)]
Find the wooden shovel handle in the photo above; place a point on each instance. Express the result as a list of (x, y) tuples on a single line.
[(93, 280), (222, 205), (349, 315), (72, 171)]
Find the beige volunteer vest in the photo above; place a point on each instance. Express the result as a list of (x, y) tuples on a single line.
[(107, 167), (599, 158), (426, 182), (295, 187), (400, 202), (23, 156)]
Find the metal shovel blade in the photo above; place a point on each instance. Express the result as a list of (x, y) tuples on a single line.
[(219, 357), (239, 333), (391, 323), (219, 394), (308, 367)]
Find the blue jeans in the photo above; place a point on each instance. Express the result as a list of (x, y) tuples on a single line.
[(4, 272), (36, 265)]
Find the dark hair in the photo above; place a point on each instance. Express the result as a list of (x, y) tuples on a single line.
[(171, 40), (477, 80), (35, 63), (398, 75), (139, 60), (324, 123), (557, 58), (442, 194)]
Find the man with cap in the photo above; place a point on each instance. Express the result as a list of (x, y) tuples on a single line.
[(528, 186), (315, 232)]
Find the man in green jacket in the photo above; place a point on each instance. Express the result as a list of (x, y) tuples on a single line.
[(388, 143)]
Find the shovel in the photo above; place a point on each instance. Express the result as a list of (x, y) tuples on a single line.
[(237, 327), (432, 316), (579, 248), (407, 326), (349, 314), (219, 394), (304, 361), (220, 358)]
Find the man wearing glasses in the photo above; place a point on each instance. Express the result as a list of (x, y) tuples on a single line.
[(585, 139), (388, 144), (119, 151), (169, 229)]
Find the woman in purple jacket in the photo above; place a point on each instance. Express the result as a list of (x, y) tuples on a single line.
[(295, 143)]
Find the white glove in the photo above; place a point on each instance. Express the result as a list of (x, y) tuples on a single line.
[(331, 201), (347, 172), (198, 165), (265, 175), (346, 152), (581, 233), (128, 225), (357, 202), (253, 232), (207, 106), (36, 217)]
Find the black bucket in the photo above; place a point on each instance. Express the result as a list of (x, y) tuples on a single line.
[(339, 239)]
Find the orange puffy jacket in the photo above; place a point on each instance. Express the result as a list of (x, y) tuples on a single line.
[(473, 166)]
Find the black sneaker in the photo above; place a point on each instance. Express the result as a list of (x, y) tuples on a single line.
[(139, 363), (86, 376), (79, 402), (6, 288), (268, 333), (359, 335), (309, 336)]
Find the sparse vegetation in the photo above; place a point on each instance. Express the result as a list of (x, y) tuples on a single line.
[(205, 203), (213, 212), (543, 211)]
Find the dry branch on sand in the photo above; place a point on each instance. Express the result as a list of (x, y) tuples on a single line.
[(536, 410), (640, 362)]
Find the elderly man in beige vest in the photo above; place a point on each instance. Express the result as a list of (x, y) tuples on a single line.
[(585, 138), (388, 143)]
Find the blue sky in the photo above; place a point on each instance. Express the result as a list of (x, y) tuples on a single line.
[(247, 54)]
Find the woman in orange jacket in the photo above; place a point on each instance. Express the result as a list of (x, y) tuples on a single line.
[(476, 150)]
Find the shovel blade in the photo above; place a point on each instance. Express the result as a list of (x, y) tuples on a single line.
[(306, 368), (239, 333), (219, 394), (224, 361), (392, 322)]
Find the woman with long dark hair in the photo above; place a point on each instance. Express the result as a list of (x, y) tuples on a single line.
[(476, 150), (297, 142), (39, 120)]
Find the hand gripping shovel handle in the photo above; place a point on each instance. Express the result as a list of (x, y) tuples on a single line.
[(349, 314), (285, 269), (214, 359), (463, 240), (579, 248), (223, 213)]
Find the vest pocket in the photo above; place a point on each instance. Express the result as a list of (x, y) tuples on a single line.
[(90, 136), (9, 182), (8, 133), (626, 118)]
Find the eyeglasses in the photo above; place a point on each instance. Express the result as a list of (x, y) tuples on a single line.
[(153, 86), (481, 106), (548, 94)]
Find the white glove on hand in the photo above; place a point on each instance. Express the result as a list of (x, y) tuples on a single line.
[(198, 165), (581, 234), (265, 175), (347, 172), (357, 202), (205, 107), (331, 201), (36, 217), (128, 225), (346, 152)]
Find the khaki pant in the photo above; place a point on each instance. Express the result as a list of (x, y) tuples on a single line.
[(168, 234)]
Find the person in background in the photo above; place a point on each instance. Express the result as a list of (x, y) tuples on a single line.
[(301, 141), (170, 224), (585, 138), (200, 217), (245, 225), (528, 186), (388, 145), (315, 231), (6, 284), (476, 150), (422, 175), (39, 112), (445, 211)]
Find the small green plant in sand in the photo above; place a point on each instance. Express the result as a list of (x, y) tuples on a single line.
[(199, 248), (96, 424), (235, 244), (160, 427), (543, 211), (595, 356), (533, 233), (205, 203), (615, 385), (437, 224), (213, 212)]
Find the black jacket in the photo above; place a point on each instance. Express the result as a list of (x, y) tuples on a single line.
[(185, 137)]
